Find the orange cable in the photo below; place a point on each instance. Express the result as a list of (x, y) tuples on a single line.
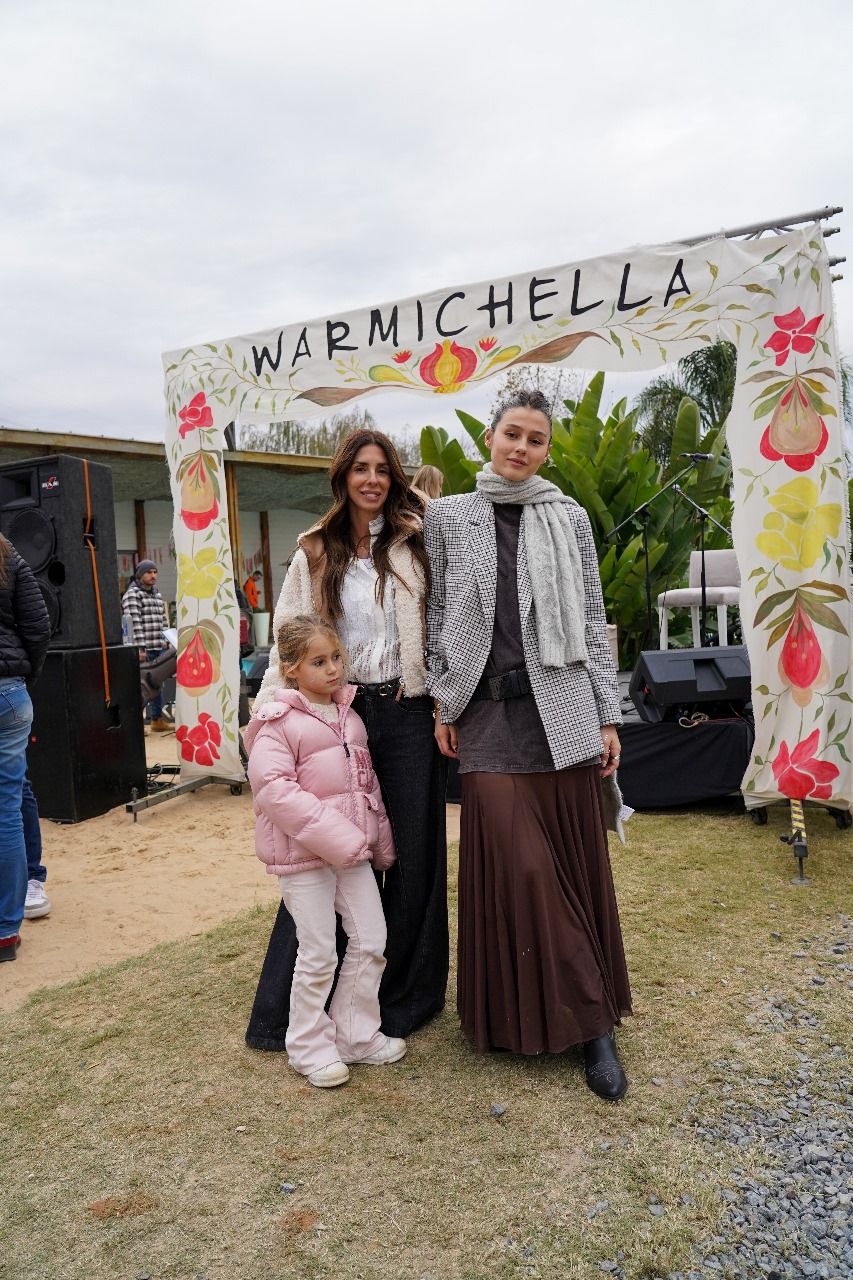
[(87, 538)]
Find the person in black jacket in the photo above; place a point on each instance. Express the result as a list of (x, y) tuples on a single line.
[(24, 635)]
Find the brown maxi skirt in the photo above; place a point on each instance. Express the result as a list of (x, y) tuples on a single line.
[(541, 962)]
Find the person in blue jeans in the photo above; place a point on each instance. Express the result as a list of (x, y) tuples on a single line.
[(24, 636), (37, 902)]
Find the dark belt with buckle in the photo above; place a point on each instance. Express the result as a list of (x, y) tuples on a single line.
[(387, 688), (512, 684)]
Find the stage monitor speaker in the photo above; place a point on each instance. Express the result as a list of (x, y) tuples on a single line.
[(84, 757), (43, 514), (665, 681)]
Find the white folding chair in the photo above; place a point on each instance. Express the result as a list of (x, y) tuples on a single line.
[(722, 592)]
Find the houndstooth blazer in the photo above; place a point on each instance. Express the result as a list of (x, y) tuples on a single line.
[(574, 701)]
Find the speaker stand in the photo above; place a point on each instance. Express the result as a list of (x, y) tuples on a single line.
[(138, 803), (797, 841)]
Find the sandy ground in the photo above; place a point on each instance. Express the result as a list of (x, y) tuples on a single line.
[(118, 888)]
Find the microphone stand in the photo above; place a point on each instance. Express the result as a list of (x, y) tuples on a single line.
[(703, 517), (642, 513)]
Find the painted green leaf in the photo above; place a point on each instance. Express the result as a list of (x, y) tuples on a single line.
[(779, 630), (821, 613), (766, 376), (767, 606)]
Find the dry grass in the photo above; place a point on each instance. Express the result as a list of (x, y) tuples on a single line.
[(145, 1139)]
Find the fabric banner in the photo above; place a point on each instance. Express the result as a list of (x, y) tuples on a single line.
[(627, 311)]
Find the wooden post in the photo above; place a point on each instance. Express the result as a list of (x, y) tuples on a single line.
[(266, 564), (233, 500), (139, 512)]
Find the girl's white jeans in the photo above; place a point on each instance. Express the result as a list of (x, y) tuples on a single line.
[(350, 1030)]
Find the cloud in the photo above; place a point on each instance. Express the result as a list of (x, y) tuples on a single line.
[(183, 172)]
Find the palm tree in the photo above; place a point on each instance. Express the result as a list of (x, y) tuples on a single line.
[(707, 376)]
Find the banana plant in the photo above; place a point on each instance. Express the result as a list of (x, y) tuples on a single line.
[(438, 449)]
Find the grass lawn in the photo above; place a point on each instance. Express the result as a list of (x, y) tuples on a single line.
[(143, 1139)]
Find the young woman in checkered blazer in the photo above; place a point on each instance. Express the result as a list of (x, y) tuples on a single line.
[(527, 700), (363, 569)]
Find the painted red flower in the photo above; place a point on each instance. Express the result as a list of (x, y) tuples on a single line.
[(486, 344), (802, 663), (793, 333), (199, 744), (800, 775), (194, 415), (796, 432), (402, 356), (199, 657), (199, 490), (449, 366)]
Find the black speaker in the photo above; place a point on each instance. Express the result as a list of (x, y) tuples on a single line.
[(84, 757), (665, 681), (43, 514)]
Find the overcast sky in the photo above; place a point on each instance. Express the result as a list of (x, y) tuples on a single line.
[(176, 172)]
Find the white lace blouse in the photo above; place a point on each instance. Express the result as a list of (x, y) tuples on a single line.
[(369, 629)]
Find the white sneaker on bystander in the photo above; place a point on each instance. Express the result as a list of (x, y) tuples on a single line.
[(37, 902)]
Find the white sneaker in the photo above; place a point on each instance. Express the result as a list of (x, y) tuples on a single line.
[(392, 1051), (329, 1077), (37, 902)]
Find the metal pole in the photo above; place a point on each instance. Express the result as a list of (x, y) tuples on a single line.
[(774, 224)]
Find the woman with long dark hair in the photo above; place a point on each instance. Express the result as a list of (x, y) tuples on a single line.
[(24, 635), (364, 570), (528, 701)]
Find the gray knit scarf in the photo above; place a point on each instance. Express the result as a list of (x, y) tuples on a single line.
[(553, 561)]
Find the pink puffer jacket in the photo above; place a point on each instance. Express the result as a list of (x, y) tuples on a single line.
[(317, 799)]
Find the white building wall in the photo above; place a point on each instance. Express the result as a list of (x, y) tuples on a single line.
[(158, 537), (125, 518), (286, 524), (125, 526), (250, 548)]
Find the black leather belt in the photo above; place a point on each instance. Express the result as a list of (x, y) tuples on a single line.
[(511, 684), (386, 689)]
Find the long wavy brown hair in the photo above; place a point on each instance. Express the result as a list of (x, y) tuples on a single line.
[(402, 513)]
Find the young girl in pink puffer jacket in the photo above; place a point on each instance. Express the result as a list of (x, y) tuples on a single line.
[(319, 825)]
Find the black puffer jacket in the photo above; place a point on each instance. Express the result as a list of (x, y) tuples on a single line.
[(24, 624)]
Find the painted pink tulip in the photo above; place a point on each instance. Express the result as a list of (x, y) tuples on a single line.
[(793, 333), (801, 658), (800, 775), (194, 415), (796, 431)]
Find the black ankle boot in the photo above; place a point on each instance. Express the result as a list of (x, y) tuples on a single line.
[(604, 1073)]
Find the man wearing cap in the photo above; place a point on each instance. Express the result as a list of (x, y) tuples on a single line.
[(143, 602)]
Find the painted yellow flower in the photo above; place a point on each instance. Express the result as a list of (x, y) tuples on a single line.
[(200, 577), (794, 533)]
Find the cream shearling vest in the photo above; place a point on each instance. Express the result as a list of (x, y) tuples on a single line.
[(303, 593)]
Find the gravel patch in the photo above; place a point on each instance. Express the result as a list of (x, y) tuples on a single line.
[(794, 1218)]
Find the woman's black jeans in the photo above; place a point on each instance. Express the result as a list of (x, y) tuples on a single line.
[(412, 775)]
